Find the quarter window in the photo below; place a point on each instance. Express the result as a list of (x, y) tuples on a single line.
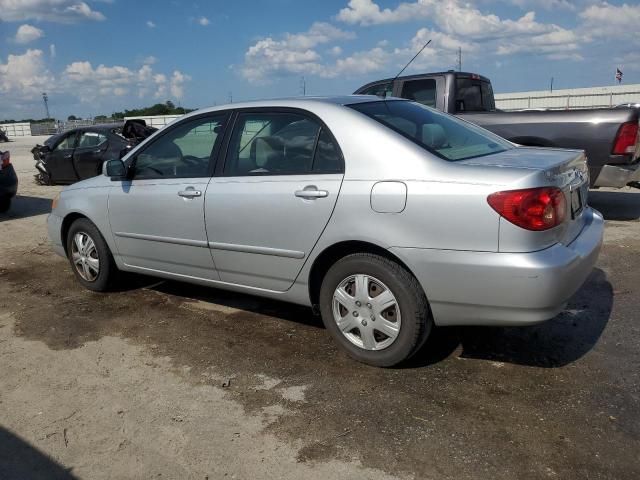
[(183, 152), (280, 144), (380, 89)]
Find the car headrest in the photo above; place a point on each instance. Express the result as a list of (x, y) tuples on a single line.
[(264, 150), (433, 135)]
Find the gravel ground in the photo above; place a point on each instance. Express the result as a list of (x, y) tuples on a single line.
[(166, 380)]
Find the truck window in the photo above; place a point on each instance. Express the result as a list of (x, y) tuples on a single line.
[(421, 91), (474, 95), (379, 89), (443, 135)]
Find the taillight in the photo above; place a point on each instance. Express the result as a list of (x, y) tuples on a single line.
[(626, 139), (532, 208), (6, 159)]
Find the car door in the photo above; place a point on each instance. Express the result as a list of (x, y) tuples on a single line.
[(157, 217), (265, 212), (60, 159), (88, 154)]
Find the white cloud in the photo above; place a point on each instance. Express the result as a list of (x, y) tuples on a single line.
[(293, 54), (606, 20), (150, 60), (367, 12), (52, 50), (61, 11), (151, 24), (204, 21), (28, 33), (24, 77), (335, 51), (84, 80)]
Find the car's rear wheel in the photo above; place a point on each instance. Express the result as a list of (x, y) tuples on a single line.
[(375, 309), (5, 204), (90, 257)]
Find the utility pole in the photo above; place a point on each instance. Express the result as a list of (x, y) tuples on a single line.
[(459, 59), (230, 97), (303, 86), (551, 85), (46, 103)]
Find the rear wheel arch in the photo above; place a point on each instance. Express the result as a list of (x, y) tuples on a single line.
[(335, 252)]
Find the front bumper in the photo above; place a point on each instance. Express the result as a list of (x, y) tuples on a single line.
[(54, 229), (8, 182), (486, 288), (618, 176)]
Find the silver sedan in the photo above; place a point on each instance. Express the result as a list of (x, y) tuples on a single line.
[(387, 216)]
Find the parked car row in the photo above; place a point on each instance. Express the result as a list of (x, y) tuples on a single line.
[(387, 216)]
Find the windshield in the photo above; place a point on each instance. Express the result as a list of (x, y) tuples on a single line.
[(441, 134)]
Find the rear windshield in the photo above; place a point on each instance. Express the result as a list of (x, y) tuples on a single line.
[(439, 133)]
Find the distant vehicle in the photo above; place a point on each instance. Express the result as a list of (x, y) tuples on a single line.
[(628, 105), (388, 216), (79, 153), (608, 136), (8, 181)]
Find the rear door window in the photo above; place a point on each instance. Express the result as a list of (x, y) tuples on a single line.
[(421, 91), (379, 89), (474, 95)]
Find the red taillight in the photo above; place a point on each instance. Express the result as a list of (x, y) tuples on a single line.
[(532, 208), (626, 139), (6, 159)]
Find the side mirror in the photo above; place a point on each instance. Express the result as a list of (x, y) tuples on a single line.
[(114, 169)]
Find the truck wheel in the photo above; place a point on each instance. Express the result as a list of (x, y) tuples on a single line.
[(90, 257), (375, 309), (5, 203)]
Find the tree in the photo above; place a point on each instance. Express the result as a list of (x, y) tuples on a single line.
[(72, 117)]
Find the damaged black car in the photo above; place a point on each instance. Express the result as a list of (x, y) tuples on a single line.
[(78, 154)]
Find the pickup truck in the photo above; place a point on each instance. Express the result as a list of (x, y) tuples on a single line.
[(609, 136)]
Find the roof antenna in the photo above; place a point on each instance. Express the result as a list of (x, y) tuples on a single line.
[(405, 67)]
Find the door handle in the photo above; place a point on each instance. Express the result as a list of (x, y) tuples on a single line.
[(311, 192), (67, 156), (190, 192)]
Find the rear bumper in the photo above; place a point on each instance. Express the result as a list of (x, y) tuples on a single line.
[(8, 182), (485, 288), (618, 176)]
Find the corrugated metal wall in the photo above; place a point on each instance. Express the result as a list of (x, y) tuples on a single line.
[(574, 98)]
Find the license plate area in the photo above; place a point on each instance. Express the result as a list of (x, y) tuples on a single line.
[(577, 202)]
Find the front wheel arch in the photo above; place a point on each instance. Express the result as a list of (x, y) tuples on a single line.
[(66, 225)]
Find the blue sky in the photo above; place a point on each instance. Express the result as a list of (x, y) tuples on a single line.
[(102, 56)]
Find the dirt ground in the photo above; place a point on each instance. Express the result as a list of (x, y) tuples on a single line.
[(164, 380)]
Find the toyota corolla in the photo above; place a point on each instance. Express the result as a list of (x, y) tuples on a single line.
[(386, 216)]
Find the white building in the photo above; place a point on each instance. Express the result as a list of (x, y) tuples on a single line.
[(572, 98)]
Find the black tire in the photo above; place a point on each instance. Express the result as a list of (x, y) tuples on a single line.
[(5, 204), (108, 271), (416, 316)]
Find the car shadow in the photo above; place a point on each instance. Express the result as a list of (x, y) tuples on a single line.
[(616, 205), (19, 461), (241, 301), (552, 344), (24, 207)]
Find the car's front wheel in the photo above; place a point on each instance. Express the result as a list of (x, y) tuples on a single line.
[(375, 309), (90, 257)]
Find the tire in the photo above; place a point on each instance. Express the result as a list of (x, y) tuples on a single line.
[(107, 272), (5, 204), (408, 320)]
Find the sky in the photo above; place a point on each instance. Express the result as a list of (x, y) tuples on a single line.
[(99, 56)]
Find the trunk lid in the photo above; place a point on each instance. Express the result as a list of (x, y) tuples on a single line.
[(565, 169)]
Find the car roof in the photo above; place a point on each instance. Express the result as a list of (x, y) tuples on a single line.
[(305, 103)]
